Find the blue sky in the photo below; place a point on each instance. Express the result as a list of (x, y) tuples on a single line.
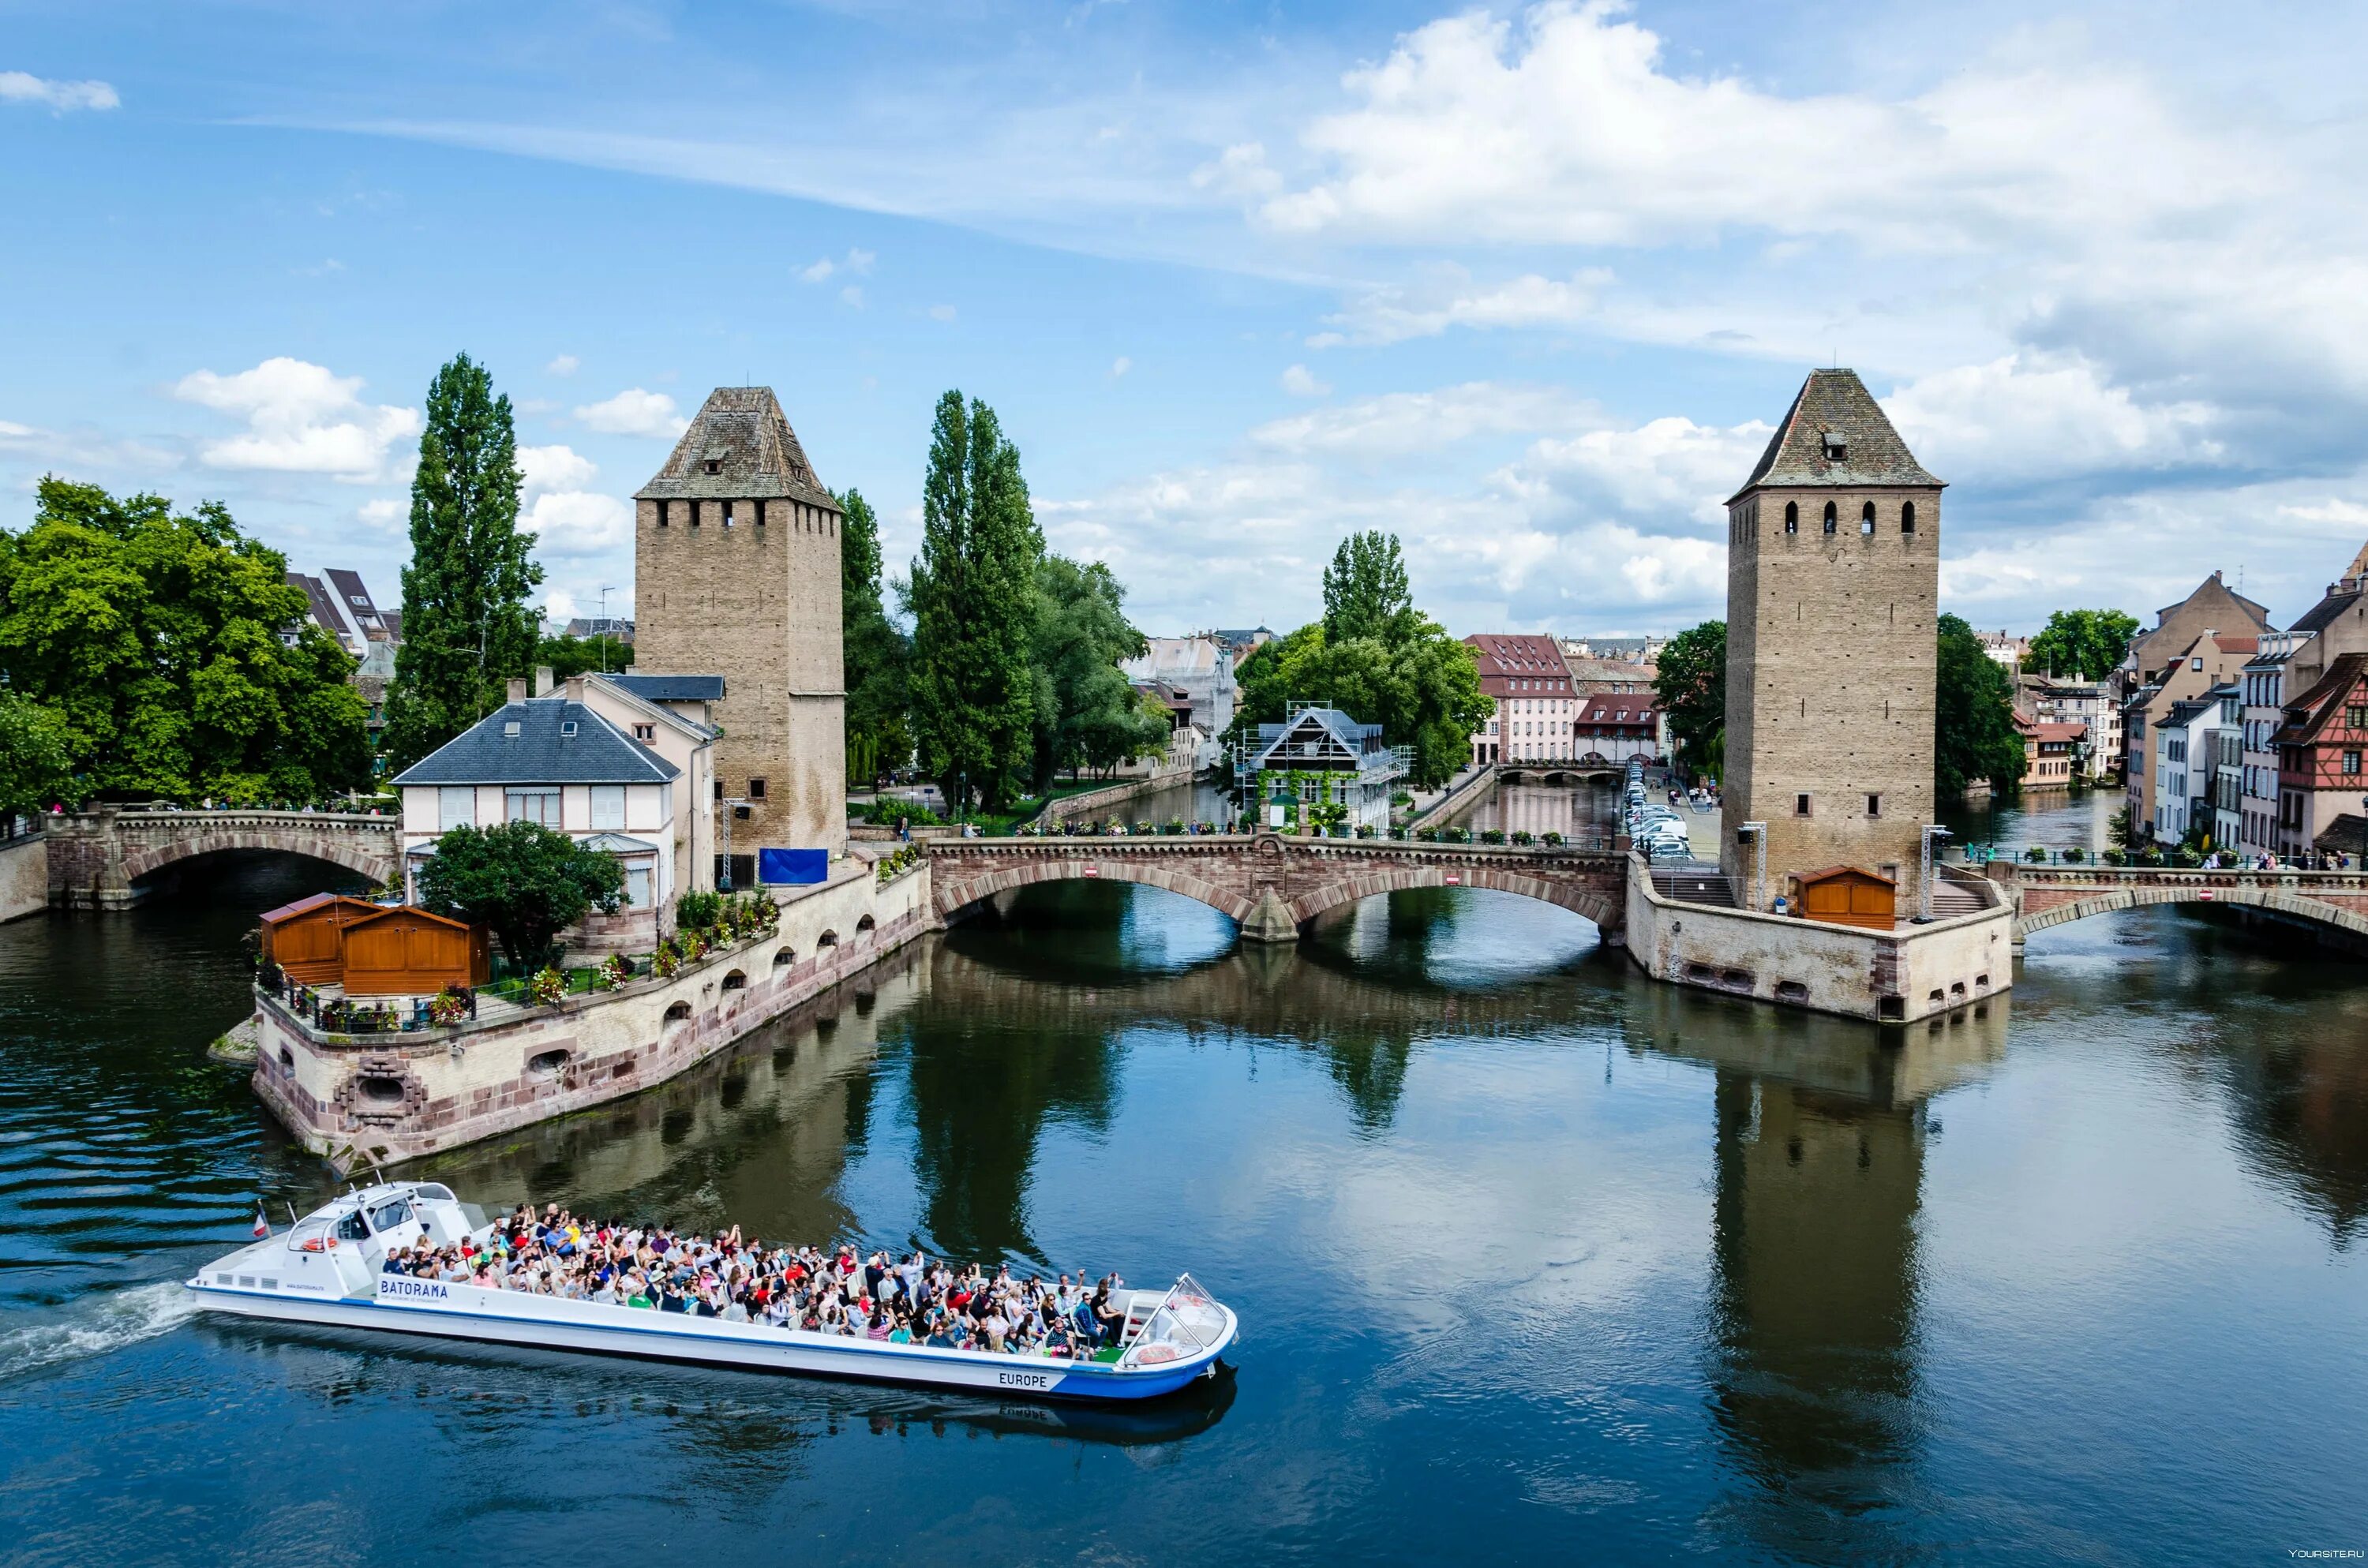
[(1525, 285)]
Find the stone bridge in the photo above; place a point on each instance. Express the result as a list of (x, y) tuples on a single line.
[(1272, 885), (99, 859), (2051, 896)]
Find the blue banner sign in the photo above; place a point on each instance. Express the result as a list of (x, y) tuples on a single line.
[(776, 867)]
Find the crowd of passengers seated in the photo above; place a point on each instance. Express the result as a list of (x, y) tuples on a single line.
[(738, 1279)]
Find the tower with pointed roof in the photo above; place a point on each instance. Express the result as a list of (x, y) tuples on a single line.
[(736, 572), (1833, 579)]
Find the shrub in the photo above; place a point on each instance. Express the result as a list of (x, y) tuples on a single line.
[(1145, 830), (884, 812), (1553, 838), (2073, 857), (698, 910), (1365, 830), (1522, 835), (1173, 826), (2035, 854), (1492, 836), (2113, 857), (1428, 834), (1458, 836)]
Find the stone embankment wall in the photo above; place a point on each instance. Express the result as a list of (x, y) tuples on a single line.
[(381, 1097), (24, 875), (1095, 803), (1896, 976)]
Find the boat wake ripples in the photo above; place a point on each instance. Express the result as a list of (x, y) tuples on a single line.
[(94, 1326)]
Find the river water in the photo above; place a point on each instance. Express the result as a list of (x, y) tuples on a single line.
[(1535, 1260)]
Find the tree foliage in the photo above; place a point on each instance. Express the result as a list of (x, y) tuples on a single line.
[(974, 686), (1366, 592), (2089, 643), (878, 654), (1689, 687), (1400, 669), (36, 758), (567, 655), (1972, 715), (173, 650), (466, 624), (1089, 714), (523, 882)]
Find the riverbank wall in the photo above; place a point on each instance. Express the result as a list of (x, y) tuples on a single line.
[(1902, 975), (1094, 803), (24, 875), (376, 1098)]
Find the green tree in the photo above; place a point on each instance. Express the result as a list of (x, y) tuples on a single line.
[(971, 595), (467, 626), (172, 647), (1088, 714), (1689, 686), (36, 760), (1366, 592), (1424, 689), (878, 653), (2089, 643), (521, 881), (1973, 715), (568, 656)]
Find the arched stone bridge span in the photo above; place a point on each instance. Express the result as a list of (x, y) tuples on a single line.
[(2051, 895), (1272, 885), (99, 859)]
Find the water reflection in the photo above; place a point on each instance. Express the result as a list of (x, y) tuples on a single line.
[(1587, 808)]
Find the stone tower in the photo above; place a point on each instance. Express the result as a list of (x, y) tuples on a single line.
[(1832, 579), (735, 571)]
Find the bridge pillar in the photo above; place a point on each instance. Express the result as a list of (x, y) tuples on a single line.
[(1270, 921), (86, 863)]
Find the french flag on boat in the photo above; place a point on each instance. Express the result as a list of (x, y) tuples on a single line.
[(262, 1225)]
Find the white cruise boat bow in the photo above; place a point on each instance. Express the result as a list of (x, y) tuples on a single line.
[(328, 1270)]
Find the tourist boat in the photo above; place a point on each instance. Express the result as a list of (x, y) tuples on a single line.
[(326, 1269)]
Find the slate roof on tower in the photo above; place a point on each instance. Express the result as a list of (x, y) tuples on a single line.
[(739, 447), (1835, 434)]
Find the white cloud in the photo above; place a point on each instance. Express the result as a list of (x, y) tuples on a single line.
[(1121, 366), (817, 271), (1670, 467), (562, 365), (1392, 425), (577, 522), (1395, 313), (59, 98), (554, 467), (559, 605), (857, 262), (1239, 171), (941, 313), (852, 294), (2030, 416), (300, 418), (634, 412), (1300, 383), (384, 515)]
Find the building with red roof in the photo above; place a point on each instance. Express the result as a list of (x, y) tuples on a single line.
[(1535, 709)]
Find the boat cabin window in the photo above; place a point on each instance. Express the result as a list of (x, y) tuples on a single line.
[(387, 1216), (432, 1192), (351, 1227)]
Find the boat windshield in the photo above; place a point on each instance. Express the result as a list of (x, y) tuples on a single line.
[(388, 1215), (431, 1192), (1187, 1322)]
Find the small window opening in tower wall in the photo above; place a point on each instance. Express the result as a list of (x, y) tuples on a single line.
[(1791, 516), (1908, 516), (661, 514), (1800, 805), (760, 511), (1866, 519), (728, 519), (1875, 805), (1832, 516)]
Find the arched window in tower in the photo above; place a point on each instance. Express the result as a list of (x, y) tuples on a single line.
[(1908, 516), (1791, 516), (1866, 519), (1833, 517)]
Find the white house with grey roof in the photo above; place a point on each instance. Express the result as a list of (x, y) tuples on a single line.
[(1319, 755), (599, 761)]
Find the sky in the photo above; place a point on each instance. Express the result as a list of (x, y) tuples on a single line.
[(1527, 286)]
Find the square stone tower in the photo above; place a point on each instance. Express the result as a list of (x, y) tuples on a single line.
[(735, 572), (1832, 583)]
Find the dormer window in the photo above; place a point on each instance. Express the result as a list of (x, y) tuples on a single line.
[(567, 729), (1837, 447), (510, 730), (715, 465)]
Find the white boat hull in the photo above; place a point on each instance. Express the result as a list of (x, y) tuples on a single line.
[(400, 1304)]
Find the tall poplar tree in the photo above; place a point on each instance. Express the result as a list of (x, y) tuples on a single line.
[(466, 624), (877, 650), (973, 598)]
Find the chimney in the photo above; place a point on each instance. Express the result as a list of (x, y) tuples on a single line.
[(574, 688), (543, 680), (518, 688)]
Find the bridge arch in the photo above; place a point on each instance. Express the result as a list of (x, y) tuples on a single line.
[(2281, 901), (954, 895), (337, 849), (1606, 913)]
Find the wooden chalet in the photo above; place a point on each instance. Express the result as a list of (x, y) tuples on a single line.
[(1845, 895), (306, 938), (408, 951)]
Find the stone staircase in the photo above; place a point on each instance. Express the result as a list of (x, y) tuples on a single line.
[(1951, 898), (1688, 884)]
